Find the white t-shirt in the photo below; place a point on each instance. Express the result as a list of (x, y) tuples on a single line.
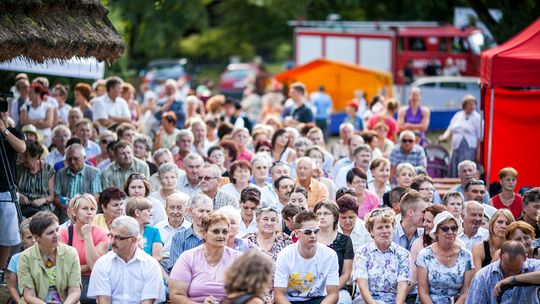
[(104, 107), (306, 278), (39, 113)]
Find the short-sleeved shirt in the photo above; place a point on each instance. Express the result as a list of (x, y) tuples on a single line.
[(382, 270), (183, 240), (99, 235), (303, 114), (306, 278), (166, 231), (444, 282), (203, 279), (104, 107), (481, 235), (150, 236), (416, 157)]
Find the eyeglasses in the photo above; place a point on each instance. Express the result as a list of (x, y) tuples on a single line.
[(218, 231), (119, 237), (217, 155), (207, 178), (427, 189), (309, 231), (445, 229), (106, 142), (323, 213), (407, 140)]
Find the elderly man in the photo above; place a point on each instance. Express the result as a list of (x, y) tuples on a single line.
[(117, 172), (199, 206), (362, 159), (74, 116), (84, 131), (163, 156), (111, 109), (176, 208), (184, 144), (353, 142), (511, 268), (77, 177), (269, 196), (472, 220), (531, 208), (209, 184), (60, 135), (200, 143), (126, 274), (467, 171), (316, 190), (407, 152), (189, 183), (410, 228)]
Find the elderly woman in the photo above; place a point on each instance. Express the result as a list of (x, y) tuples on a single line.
[(260, 168), (301, 145), (49, 272), (424, 185), (198, 275), (90, 241), (216, 156), (248, 278), (421, 243), (167, 133), (242, 138), (380, 169), (240, 173), (367, 200), (234, 241), (280, 147), (465, 128), (445, 268), (328, 214), (267, 240), (483, 252), (349, 223), (111, 202), (39, 113), (140, 209), (381, 268), (405, 173), (168, 177), (137, 185), (508, 198), (35, 180)]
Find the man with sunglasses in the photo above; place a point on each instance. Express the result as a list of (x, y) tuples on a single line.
[(407, 152), (209, 184), (127, 273), (307, 271)]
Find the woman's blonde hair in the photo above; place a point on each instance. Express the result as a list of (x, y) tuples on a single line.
[(251, 274), (213, 218), (385, 215), (506, 213), (137, 203), (76, 202)]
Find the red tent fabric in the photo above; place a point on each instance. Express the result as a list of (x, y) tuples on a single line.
[(516, 62), (511, 107)]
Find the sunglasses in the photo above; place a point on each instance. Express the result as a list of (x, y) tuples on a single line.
[(106, 142), (445, 229), (475, 182), (407, 140), (309, 231), (206, 178)]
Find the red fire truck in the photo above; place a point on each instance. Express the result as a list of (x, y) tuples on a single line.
[(388, 46)]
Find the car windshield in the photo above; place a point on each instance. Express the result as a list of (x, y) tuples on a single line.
[(168, 70), (236, 74)]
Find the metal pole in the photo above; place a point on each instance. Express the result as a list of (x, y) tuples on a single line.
[(490, 140)]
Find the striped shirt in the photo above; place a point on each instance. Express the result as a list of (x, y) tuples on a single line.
[(34, 186), (69, 183), (483, 283), (223, 199), (183, 240), (114, 176)]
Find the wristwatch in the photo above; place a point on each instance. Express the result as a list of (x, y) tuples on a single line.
[(514, 280), (6, 132)]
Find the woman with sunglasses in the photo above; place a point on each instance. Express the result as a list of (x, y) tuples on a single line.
[(267, 240), (90, 241), (444, 269), (381, 268), (328, 214), (198, 275), (137, 185)]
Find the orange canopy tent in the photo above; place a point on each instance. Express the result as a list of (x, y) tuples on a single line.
[(339, 79)]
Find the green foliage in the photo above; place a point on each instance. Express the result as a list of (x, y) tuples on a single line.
[(214, 44)]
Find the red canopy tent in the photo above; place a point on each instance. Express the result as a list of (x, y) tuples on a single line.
[(510, 76)]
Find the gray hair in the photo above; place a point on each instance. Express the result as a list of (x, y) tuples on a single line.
[(346, 124), (402, 166), (406, 132), (161, 152), (306, 159), (167, 167), (107, 133), (466, 163), (231, 212), (193, 156), (196, 120), (128, 222), (262, 210), (261, 157), (59, 128), (469, 204), (213, 167), (183, 197), (184, 133), (145, 140), (199, 199), (302, 141), (74, 147)]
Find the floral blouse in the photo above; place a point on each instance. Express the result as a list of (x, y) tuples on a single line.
[(382, 270), (444, 282)]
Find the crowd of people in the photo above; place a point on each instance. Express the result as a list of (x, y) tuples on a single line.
[(173, 195)]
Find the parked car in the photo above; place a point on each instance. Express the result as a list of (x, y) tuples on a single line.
[(236, 77), (443, 95), (158, 71)]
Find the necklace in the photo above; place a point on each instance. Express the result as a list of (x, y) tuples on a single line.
[(448, 256)]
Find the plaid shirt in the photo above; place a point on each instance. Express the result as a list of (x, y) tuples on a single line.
[(69, 183), (483, 283), (223, 199), (417, 156), (114, 176)]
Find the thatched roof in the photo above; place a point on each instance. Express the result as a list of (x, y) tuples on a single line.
[(56, 29)]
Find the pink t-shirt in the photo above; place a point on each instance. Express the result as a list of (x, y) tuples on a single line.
[(371, 201), (203, 280), (99, 235)]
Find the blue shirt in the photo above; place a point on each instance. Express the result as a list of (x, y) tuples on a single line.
[(150, 236), (483, 283), (322, 103), (182, 240)]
